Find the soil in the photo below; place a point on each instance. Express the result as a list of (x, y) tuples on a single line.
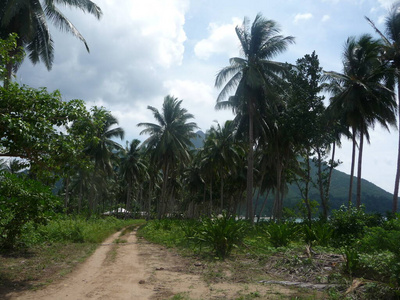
[(128, 267)]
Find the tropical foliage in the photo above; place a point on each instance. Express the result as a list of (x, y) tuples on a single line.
[(28, 19)]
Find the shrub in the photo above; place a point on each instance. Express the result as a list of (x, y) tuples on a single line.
[(222, 233), (280, 235), (379, 239), (22, 201), (320, 233), (349, 224)]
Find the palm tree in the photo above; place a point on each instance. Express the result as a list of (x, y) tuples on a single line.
[(221, 152), (28, 18), (133, 168), (392, 54), (101, 129), (169, 140), (252, 77), (362, 94)]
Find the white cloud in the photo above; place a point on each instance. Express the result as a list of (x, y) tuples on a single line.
[(222, 39), (301, 17), (325, 18), (386, 3)]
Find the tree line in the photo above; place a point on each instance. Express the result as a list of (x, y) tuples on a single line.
[(280, 129)]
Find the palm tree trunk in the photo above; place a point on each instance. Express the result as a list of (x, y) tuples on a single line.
[(250, 165), (331, 167), (353, 158), (211, 197), (322, 190), (80, 197), (278, 205), (66, 197), (262, 207), (128, 196), (360, 151), (306, 191), (222, 193), (258, 196), (397, 179), (163, 192)]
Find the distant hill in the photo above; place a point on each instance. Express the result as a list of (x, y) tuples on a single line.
[(373, 197), (199, 140)]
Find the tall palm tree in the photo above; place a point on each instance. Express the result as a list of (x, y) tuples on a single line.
[(169, 140), (221, 152), (392, 54), (102, 129), (133, 168), (252, 76), (28, 18), (363, 94)]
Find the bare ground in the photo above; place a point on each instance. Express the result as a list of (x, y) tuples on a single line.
[(125, 268)]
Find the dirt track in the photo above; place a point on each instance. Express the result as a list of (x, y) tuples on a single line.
[(136, 271)]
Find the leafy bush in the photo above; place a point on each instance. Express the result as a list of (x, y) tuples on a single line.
[(379, 239), (377, 266), (320, 233), (222, 233), (393, 223), (22, 201), (280, 235), (349, 224)]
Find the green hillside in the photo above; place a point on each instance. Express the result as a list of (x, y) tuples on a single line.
[(373, 197)]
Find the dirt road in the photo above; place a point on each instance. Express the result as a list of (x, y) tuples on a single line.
[(123, 268)]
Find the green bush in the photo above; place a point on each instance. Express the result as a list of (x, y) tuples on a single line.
[(379, 239), (348, 224), (280, 235), (318, 233), (22, 201), (221, 233)]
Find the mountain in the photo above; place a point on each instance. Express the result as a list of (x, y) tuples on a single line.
[(373, 197), (199, 140)]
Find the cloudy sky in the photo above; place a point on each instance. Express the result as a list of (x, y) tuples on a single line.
[(141, 51)]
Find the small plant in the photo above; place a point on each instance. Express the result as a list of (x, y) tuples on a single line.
[(222, 233), (280, 235), (318, 233), (120, 241), (352, 260)]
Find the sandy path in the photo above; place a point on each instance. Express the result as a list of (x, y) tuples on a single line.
[(143, 271), (101, 278)]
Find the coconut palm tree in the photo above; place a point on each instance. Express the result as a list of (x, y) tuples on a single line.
[(391, 48), (101, 129), (169, 140), (221, 152), (133, 168), (362, 94), (253, 77), (28, 18)]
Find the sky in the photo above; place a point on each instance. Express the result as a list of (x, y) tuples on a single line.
[(142, 51)]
